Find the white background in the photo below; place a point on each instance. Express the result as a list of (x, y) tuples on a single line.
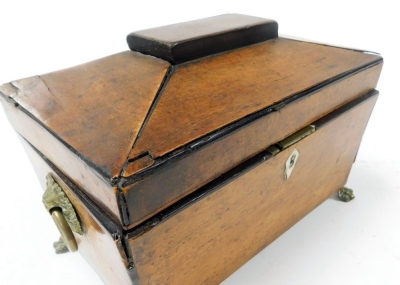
[(338, 243)]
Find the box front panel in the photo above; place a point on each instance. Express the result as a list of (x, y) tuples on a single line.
[(178, 179), (208, 240)]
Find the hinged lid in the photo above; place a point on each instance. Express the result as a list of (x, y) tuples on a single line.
[(117, 124)]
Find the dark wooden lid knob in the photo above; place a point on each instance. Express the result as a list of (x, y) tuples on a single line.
[(191, 40)]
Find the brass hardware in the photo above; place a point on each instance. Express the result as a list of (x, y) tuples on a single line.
[(54, 197), (291, 163), (64, 229), (60, 246), (297, 136), (63, 214), (346, 194), (279, 106), (273, 149)]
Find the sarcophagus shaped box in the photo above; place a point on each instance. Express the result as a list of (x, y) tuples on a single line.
[(177, 161)]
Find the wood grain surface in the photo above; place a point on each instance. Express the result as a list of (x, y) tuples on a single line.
[(186, 41), (209, 240), (170, 183), (97, 245), (78, 171), (96, 108), (204, 95), (202, 28), (103, 122), (87, 117)]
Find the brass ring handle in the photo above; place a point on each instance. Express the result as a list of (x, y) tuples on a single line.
[(64, 216), (64, 229)]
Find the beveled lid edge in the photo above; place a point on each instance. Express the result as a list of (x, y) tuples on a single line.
[(191, 40)]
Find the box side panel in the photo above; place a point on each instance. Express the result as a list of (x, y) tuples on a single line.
[(96, 108), (76, 169), (210, 239), (167, 185), (97, 245)]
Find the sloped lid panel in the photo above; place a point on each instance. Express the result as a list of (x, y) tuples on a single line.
[(204, 95), (96, 108)]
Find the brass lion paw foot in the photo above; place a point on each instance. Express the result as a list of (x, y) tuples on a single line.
[(60, 246), (346, 194)]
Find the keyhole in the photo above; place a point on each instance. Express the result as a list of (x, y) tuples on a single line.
[(292, 160)]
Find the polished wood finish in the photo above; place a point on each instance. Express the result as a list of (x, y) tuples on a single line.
[(178, 179), (186, 41), (105, 122), (77, 170), (97, 108), (87, 117), (205, 95), (137, 165), (97, 245), (113, 124), (207, 241), (167, 163)]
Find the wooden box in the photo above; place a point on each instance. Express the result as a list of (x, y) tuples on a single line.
[(179, 160)]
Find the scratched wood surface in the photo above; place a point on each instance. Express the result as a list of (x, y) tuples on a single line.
[(191, 40), (145, 197), (96, 108), (209, 240), (87, 117), (107, 120), (78, 171), (204, 95), (97, 245)]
